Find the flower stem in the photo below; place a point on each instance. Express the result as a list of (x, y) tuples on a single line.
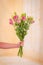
[(20, 52)]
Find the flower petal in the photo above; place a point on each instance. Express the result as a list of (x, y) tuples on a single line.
[(10, 21)]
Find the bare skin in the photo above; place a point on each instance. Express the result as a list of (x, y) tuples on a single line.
[(4, 45)]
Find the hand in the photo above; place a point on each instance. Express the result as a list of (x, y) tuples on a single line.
[(21, 43)]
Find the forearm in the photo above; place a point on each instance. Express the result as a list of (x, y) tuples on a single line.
[(7, 45)]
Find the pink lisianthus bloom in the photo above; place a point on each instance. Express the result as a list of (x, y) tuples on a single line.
[(10, 21), (15, 18), (23, 18), (18, 21)]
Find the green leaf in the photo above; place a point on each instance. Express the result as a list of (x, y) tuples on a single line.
[(16, 24), (26, 26), (15, 13), (24, 14)]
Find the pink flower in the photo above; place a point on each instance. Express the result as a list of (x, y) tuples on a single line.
[(23, 18), (10, 21), (15, 18), (18, 21)]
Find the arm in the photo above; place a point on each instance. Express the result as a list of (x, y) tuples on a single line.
[(4, 45)]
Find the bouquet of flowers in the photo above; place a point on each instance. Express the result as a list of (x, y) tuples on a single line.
[(21, 25)]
